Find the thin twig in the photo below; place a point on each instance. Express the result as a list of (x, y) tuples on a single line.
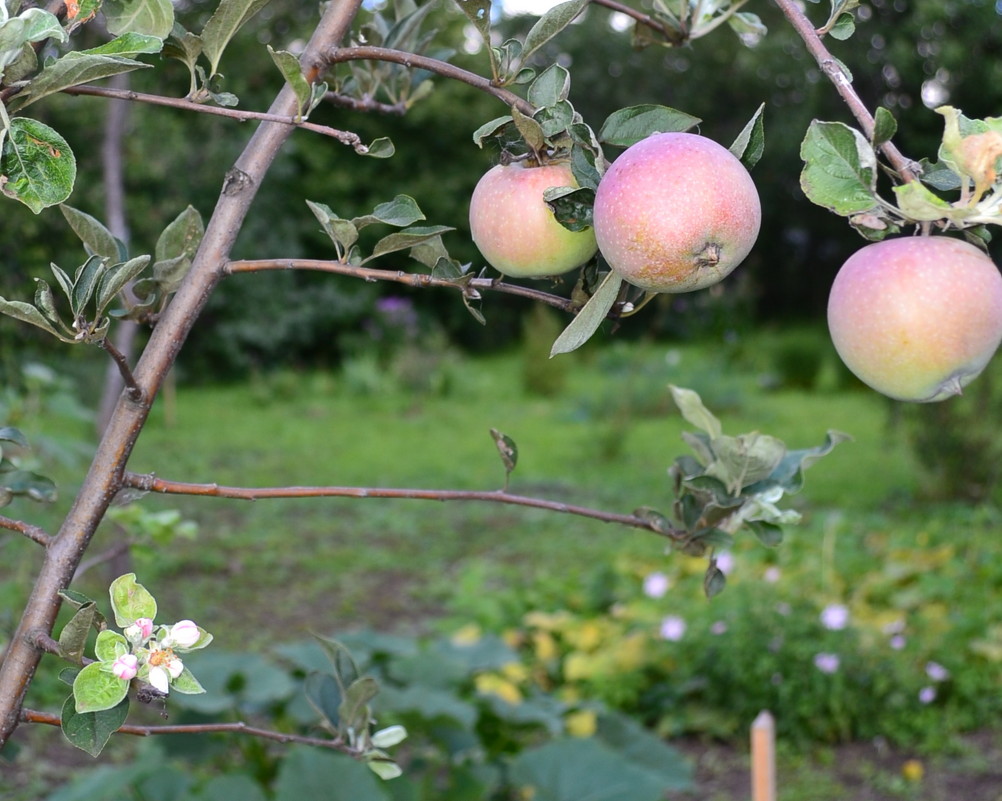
[(345, 137), (831, 67), (150, 483), (33, 533), (337, 55), (132, 389), (401, 277), (674, 36), (239, 727), (365, 104)]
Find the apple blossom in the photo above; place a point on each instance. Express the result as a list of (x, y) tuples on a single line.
[(125, 667), (182, 634), (140, 631)]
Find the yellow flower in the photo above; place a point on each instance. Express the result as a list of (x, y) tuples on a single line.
[(545, 646), (466, 635), (582, 723), (913, 770), (586, 637), (493, 684)]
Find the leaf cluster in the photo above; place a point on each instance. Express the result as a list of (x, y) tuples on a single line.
[(16, 481), (733, 482), (678, 22)]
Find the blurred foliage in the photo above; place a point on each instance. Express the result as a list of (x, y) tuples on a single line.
[(903, 52)]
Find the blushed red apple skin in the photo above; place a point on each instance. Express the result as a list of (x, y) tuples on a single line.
[(514, 228), (676, 212), (916, 318)]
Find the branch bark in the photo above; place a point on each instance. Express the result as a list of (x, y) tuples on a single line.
[(150, 483), (104, 477), (904, 167), (401, 277)]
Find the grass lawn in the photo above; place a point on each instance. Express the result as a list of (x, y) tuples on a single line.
[(275, 570)]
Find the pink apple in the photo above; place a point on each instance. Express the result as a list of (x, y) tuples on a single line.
[(917, 318), (676, 212), (515, 229)]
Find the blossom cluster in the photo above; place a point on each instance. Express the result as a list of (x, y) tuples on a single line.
[(155, 658)]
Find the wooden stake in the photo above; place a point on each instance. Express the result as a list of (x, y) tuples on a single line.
[(763, 756)]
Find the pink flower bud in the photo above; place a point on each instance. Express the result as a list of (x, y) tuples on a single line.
[(125, 667), (184, 634)]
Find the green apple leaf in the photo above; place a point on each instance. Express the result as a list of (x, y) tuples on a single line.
[(405, 239), (839, 168), (110, 645), (27, 313), (131, 601), (73, 637), (884, 126), (630, 125), (750, 143), (37, 166), (549, 25), (147, 17), (90, 731), (587, 321), (95, 689), (96, 238), (551, 86), (402, 211), (228, 18), (291, 70)]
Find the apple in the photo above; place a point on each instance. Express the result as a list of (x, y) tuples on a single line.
[(676, 212), (917, 318), (514, 228)]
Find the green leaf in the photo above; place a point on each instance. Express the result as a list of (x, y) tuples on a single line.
[(587, 321), (551, 87), (844, 27), (31, 485), (507, 449), (571, 769), (230, 786), (13, 435), (479, 13), (129, 44), (291, 70), (839, 168), (147, 17), (312, 773), (748, 27), (572, 207), (90, 731), (73, 637), (110, 645), (769, 534), (354, 710), (714, 581), (549, 25), (94, 689), (228, 18), (343, 233), (627, 126), (343, 663), (181, 238), (694, 412), (405, 239), (37, 166), (27, 313), (489, 129), (96, 238), (381, 148), (187, 684), (45, 302), (530, 130), (324, 695), (402, 211), (789, 473), (919, 203), (85, 284), (643, 748), (131, 601), (884, 126), (745, 459), (73, 69), (115, 279), (750, 143)]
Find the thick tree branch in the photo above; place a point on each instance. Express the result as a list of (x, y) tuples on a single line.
[(239, 727), (33, 533), (336, 55), (150, 483), (103, 478), (344, 137), (401, 277), (830, 66)]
